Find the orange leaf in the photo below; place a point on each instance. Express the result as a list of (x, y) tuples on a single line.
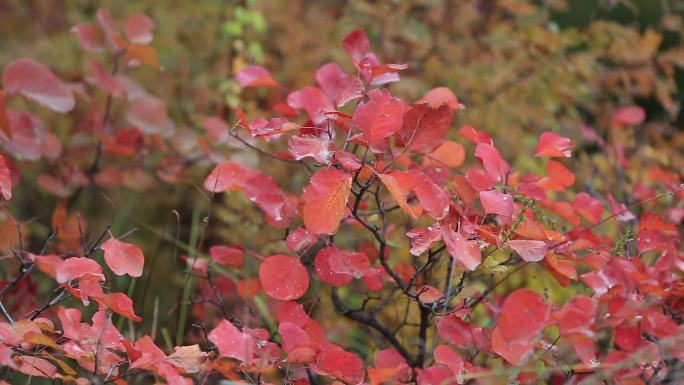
[(325, 200)]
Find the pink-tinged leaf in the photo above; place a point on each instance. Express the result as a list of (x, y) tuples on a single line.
[(5, 179), (433, 198), (553, 145), (628, 116), (462, 250), (444, 355), (341, 364), (217, 129), (491, 160), (148, 114), (255, 76), (436, 375), (475, 136), (530, 251), (620, 210), (558, 177), (429, 294), (71, 322), (315, 103), (232, 343), (267, 128), (357, 45), (496, 202), (293, 336), (424, 128), (293, 312), (422, 238), (35, 81), (308, 145), (150, 354), (283, 277), (325, 201), (106, 81), (325, 271), (89, 36), (439, 96), (120, 304), (38, 367), (523, 315), (300, 239), (347, 160), (379, 118), (516, 352), (79, 268), (658, 324), (577, 318), (138, 29), (454, 330), (227, 256), (478, 179), (588, 207), (338, 86), (400, 184), (123, 258), (229, 176), (108, 26), (345, 262)]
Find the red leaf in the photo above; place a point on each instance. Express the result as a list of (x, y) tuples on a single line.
[(314, 102), (424, 128), (491, 160), (432, 197), (123, 258), (338, 86), (232, 343), (138, 29), (588, 207), (341, 364), (89, 35), (79, 268), (357, 45), (515, 352), (149, 115), (658, 324), (422, 238), (300, 239), (351, 263), (283, 277), (229, 176), (325, 201), (325, 272), (379, 118), (35, 81), (577, 317), (496, 202), (628, 116), (445, 356), (347, 160), (255, 76), (464, 251), (5, 179), (558, 177), (149, 354), (227, 256), (553, 145), (35, 366), (120, 304), (308, 145), (475, 136), (439, 96), (293, 312), (530, 251), (106, 81), (524, 314)]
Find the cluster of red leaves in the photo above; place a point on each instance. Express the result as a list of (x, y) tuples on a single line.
[(371, 155)]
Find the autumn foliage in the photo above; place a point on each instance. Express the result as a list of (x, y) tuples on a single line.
[(392, 223)]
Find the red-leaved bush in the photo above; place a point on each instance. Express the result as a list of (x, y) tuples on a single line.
[(425, 238)]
